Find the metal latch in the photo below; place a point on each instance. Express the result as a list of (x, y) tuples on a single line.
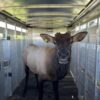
[(10, 74), (6, 63)]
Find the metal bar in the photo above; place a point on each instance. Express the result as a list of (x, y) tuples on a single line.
[(86, 61), (6, 30), (60, 21), (54, 18), (96, 57), (46, 6), (15, 33), (8, 15), (48, 21), (41, 27), (47, 14), (93, 4)]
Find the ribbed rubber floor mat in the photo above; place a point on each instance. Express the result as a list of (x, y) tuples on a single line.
[(67, 90)]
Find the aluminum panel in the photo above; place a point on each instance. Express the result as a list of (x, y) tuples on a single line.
[(97, 85), (91, 64), (91, 53), (90, 88), (98, 64), (91, 59), (13, 64), (88, 96), (20, 68), (82, 56), (74, 61), (6, 68), (97, 93), (81, 90), (2, 97)]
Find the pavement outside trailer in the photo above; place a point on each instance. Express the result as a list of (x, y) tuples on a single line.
[(67, 90)]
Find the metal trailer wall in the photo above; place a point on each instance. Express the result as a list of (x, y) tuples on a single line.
[(5, 80), (86, 62), (1, 72), (17, 46), (91, 62), (74, 61), (11, 62), (97, 80), (78, 58)]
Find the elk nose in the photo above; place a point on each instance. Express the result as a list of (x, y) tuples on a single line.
[(63, 55)]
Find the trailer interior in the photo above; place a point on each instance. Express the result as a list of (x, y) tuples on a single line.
[(22, 22)]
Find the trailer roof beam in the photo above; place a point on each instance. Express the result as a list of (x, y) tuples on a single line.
[(46, 6)]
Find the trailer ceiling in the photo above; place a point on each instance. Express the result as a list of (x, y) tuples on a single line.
[(45, 13)]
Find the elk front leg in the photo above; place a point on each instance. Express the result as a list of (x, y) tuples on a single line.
[(37, 83), (40, 89), (26, 80), (56, 89)]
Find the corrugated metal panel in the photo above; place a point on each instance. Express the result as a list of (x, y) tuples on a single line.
[(7, 68), (91, 61), (1, 72), (89, 88), (97, 85), (16, 63), (87, 68), (6, 89)]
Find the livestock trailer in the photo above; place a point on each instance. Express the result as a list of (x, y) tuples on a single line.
[(22, 22)]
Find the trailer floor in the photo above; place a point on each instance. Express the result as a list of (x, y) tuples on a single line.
[(67, 89)]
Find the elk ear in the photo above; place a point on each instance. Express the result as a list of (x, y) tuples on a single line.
[(47, 38), (78, 37)]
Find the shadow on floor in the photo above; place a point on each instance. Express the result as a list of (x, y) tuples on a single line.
[(67, 90)]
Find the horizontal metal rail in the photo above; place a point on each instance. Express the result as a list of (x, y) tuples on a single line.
[(46, 6), (47, 14)]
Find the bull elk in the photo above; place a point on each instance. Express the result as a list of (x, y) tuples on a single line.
[(50, 63)]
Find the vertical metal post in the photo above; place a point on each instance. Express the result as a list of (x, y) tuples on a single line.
[(22, 66), (26, 38), (6, 31), (21, 31), (21, 39), (97, 32), (86, 61), (15, 31)]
